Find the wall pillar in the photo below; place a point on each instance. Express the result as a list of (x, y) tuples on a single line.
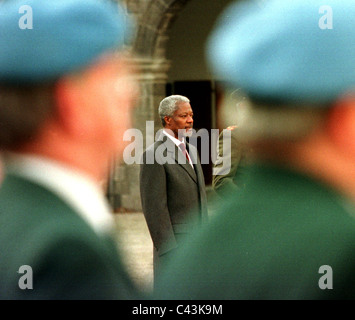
[(123, 189), (153, 18)]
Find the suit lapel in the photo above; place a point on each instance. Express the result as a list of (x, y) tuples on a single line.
[(180, 159), (175, 155), (198, 169)]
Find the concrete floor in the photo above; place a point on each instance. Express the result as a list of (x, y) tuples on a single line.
[(136, 247), (136, 244)]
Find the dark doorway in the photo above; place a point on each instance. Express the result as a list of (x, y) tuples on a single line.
[(200, 94)]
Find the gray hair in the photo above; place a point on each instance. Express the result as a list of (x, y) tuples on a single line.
[(169, 105)]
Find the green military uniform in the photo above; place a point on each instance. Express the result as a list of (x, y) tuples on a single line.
[(54, 220), (229, 180), (270, 242), (68, 258)]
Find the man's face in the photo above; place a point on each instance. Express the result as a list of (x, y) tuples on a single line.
[(110, 94), (124, 95), (182, 120)]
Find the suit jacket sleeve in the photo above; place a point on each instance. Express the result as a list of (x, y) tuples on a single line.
[(155, 208)]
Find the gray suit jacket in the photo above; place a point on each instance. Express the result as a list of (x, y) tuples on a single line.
[(172, 193)]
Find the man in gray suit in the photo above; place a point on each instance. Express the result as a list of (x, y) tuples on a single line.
[(172, 185)]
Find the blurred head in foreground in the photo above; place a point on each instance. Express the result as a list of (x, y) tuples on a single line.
[(294, 62), (66, 84), (66, 92)]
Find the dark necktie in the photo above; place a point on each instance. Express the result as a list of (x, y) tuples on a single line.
[(184, 151)]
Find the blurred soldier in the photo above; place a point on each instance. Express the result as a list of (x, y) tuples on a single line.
[(291, 232), (227, 179), (65, 98), (232, 155)]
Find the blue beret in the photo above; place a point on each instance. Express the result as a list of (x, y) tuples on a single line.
[(41, 40), (291, 51)]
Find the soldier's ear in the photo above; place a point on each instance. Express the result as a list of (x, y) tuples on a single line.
[(66, 98), (341, 124), (73, 109)]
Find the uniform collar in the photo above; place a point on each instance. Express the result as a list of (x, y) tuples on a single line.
[(77, 189)]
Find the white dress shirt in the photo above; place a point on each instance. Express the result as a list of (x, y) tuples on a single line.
[(178, 142)]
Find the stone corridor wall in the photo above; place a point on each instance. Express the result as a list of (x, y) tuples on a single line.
[(153, 18)]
